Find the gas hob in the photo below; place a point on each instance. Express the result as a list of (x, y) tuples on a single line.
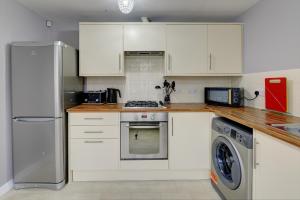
[(142, 104)]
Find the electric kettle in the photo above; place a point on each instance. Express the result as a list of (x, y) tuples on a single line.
[(112, 95)]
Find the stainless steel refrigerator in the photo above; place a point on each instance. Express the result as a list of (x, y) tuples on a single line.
[(45, 83)]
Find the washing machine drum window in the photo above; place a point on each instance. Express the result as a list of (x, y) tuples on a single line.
[(226, 163)]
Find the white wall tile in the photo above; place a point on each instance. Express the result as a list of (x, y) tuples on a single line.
[(255, 81), (143, 73)]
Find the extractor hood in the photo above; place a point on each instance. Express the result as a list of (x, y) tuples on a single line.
[(144, 53)]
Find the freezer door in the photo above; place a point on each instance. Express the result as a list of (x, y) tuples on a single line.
[(37, 81), (38, 150)]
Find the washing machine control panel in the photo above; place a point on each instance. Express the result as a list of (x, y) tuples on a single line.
[(239, 133)]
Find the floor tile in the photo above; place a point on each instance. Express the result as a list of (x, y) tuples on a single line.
[(121, 190)]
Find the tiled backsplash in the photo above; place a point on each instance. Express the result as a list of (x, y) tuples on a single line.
[(143, 73), (255, 81)]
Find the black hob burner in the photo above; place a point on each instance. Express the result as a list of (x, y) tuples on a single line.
[(141, 104)]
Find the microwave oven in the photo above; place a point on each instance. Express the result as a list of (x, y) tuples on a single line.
[(223, 96)]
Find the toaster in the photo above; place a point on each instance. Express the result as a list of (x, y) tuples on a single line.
[(98, 97)]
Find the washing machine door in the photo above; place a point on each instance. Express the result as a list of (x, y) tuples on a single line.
[(226, 162)]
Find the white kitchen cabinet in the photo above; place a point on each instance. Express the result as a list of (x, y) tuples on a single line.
[(144, 37), (101, 50), (276, 173), (77, 132), (94, 142), (95, 154), (225, 49), (189, 141), (95, 119), (186, 53)]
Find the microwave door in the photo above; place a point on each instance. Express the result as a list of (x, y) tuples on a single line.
[(218, 96)]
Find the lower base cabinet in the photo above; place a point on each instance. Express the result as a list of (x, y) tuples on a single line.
[(276, 172), (94, 149), (95, 154), (189, 141)]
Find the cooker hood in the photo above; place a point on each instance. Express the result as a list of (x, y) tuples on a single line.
[(144, 53)]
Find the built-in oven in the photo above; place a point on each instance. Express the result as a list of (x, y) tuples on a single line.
[(144, 136)]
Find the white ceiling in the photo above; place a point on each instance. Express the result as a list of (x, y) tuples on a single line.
[(157, 10)]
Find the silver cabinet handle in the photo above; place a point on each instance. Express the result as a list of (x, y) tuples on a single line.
[(255, 163), (93, 132), (120, 60), (172, 127), (93, 142), (169, 62), (34, 120), (99, 118), (143, 127), (210, 62)]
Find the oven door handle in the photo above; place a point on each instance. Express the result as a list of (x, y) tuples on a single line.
[(143, 127)]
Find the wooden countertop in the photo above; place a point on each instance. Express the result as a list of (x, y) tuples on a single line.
[(251, 117), (177, 107)]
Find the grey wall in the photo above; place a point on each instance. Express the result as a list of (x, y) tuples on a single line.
[(66, 31), (17, 24), (272, 36)]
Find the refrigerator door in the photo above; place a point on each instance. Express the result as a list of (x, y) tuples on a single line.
[(38, 151), (37, 80)]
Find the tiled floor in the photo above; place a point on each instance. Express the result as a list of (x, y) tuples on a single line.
[(144, 190)]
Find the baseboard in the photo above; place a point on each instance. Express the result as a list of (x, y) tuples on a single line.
[(139, 175), (6, 187)]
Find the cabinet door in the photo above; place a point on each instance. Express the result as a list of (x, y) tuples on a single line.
[(186, 50), (144, 38), (189, 141), (277, 169), (101, 50), (225, 49), (95, 154)]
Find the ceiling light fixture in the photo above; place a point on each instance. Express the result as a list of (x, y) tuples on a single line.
[(126, 6)]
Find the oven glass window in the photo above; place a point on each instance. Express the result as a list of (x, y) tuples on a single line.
[(144, 140), (218, 96)]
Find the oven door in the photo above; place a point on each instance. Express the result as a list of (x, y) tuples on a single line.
[(144, 140)]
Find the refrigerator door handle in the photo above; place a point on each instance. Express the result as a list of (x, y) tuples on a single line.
[(34, 120)]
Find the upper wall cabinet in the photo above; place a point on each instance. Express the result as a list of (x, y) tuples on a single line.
[(191, 49), (186, 53), (101, 50), (225, 49), (144, 37)]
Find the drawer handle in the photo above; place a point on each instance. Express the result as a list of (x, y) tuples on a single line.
[(93, 142), (100, 118), (91, 132), (143, 127)]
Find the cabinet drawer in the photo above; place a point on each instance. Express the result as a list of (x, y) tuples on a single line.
[(95, 131), (95, 154), (94, 119)]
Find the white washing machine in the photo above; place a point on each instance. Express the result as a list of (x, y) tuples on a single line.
[(231, 160)]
